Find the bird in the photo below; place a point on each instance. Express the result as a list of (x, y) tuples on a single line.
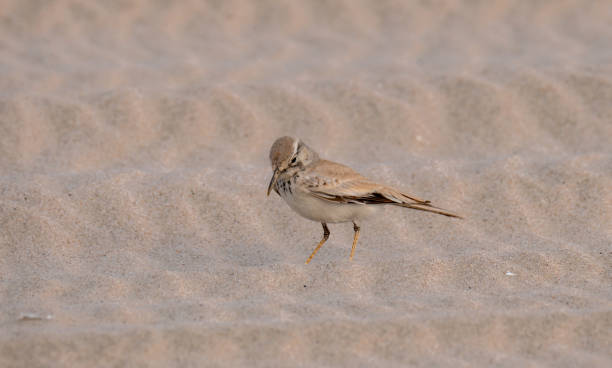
[(328, 192)]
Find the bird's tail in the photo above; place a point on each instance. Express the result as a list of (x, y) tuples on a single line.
[(425, 206)]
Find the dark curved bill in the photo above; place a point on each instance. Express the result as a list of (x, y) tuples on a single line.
[(273, 181)]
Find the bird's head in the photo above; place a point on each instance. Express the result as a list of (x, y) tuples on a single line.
[(287, 153)]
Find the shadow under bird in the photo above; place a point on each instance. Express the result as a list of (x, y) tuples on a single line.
[(329, 192)]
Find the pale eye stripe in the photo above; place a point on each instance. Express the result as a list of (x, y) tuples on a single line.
[(295, 147)]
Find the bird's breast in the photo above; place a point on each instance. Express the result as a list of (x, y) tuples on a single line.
[(316, 209)]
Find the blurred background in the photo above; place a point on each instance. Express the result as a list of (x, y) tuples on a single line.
[(89, 85)]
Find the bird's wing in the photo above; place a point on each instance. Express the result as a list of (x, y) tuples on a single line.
[(338, 183)]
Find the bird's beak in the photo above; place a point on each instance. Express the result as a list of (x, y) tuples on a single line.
[(273, 180)]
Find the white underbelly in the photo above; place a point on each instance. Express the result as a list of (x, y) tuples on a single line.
[(325, 211)]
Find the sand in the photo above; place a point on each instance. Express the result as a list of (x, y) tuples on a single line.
[(134, 226)]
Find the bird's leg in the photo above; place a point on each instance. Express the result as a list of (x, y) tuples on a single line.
[(325, 236), (356, 228)]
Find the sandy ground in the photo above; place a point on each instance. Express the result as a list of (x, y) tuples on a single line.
[(133, 168)]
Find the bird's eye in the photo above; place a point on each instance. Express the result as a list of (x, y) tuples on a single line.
[(293, 160)]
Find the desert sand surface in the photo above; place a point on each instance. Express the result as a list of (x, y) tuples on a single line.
[(134, 224)]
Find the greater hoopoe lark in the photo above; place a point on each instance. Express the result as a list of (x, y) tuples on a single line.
[(329, 192)]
